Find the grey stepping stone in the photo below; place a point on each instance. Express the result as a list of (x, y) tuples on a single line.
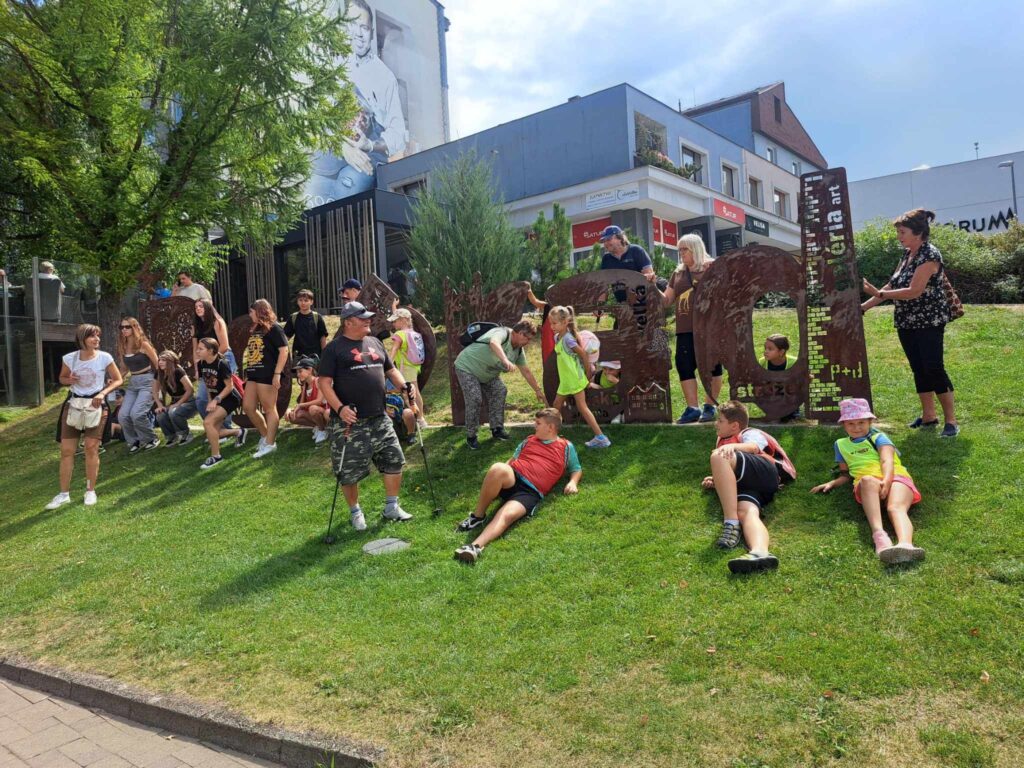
[(385, 546)]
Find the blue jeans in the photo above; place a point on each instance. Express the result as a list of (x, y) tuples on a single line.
[(134, 418), (203, 397), (174, 420)]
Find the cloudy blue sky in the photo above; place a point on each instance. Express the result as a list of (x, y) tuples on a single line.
[(882, 87)]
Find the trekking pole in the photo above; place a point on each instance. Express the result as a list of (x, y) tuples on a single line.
[(426, 466), (329, 539)]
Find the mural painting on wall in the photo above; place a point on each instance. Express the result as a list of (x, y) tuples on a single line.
[(378, 297), (825, 286), (637, 342), (170, 324), (639, 346), (238, 338)]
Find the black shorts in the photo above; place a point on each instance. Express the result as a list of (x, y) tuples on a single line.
[(231, 403), (686, 358), (523, 493), (757, 479), (260, 379)]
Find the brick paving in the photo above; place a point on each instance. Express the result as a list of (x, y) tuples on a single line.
[(41, 731)]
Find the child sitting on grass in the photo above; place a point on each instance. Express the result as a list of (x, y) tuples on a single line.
[(574, 371), (747, 468), (538, 463), (870, 458)]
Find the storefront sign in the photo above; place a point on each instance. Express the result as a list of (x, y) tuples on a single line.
[(757, 226), (586, 233), (629, 193), (665, 232), (729, 212)]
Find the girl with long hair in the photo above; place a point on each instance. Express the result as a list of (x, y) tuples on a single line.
[(174, 384), (266, 356), (90, 374), (138, 357), (574, 371), (209, 324), (693, 263)]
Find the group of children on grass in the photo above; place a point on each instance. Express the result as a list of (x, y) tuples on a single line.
[(748, 468)]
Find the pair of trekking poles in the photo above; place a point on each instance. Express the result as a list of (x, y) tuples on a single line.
[(329, 538)]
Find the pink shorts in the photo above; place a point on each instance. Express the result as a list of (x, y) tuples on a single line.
[(896, 479)]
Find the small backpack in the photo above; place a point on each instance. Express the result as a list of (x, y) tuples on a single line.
[(474, 331), (591, 345), (316, 319), (415, 349)]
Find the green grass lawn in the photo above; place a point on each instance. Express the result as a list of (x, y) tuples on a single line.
[(604, 632)]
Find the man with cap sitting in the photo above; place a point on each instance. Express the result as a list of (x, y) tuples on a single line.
[(352, 371), (311, 407)]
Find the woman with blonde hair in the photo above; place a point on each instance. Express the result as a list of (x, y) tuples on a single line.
[(138, 357), (173, 383), (693, 263), (90, 375), (266, 356)]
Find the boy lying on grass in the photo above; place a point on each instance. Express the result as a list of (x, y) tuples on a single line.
[(747, 468), (537, 464)]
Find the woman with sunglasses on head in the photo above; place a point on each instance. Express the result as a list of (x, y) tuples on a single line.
[(138, 356), (91, 375), (266, 356)]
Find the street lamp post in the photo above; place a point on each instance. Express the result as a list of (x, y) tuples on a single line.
[(1013, 187)]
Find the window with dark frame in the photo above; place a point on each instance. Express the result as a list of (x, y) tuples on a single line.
[(778, 109), (651, 136), (693, 157), (729, 181), (781, 204), (754, 186)]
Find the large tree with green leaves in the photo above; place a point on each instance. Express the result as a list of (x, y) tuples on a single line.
[(459, 226), (130, 128)]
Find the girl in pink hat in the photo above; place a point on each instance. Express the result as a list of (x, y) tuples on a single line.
[(869, 457)]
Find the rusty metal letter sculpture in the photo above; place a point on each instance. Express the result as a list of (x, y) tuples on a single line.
[(378, 297), (638, 342), (170, 324)]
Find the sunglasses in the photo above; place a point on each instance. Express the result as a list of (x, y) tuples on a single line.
[(126, 327)]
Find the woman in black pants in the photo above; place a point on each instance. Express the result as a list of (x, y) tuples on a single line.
[(921, 314)]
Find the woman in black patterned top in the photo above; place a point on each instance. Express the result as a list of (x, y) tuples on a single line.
[(920, 315)]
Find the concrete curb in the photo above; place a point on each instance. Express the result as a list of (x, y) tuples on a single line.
[(189, 718)]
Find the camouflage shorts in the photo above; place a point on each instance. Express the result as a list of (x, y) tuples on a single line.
[(374, 439)]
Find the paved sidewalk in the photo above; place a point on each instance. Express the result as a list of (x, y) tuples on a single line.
[(40, 731)]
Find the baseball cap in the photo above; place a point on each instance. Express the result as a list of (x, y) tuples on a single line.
[(304, 362), (355, 309), (402, 312), (351, 283), (610, 232)]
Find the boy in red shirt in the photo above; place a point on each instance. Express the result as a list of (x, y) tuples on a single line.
[(310, 409), (538, 463)]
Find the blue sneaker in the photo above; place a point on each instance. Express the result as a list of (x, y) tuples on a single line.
[(601, 441), (708, 413), (690, 416)]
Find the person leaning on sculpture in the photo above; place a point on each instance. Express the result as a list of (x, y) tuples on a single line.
[(479, 367), (352, 371), (693, 262), (189, 289), (921, 313)]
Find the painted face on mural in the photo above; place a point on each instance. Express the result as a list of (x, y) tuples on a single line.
[(360, 30)]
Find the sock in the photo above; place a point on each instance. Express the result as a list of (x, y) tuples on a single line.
[(355, 508), (755, 553), (733, 523), (390, 503)]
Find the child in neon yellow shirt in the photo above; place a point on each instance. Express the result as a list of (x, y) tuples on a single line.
[(870, 458)]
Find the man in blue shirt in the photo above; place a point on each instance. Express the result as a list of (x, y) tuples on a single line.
[(620, 254)]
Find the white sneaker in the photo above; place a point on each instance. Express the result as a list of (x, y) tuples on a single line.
[(59, 501), (359, 521), (90, 498), (398, 515), (261, 443), (319, 435), (264, 450), (422, 423)]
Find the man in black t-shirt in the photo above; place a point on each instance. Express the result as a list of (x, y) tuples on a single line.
[(352, 371), (307, 327)]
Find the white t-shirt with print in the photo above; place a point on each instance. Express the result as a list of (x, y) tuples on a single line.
[(92, 374)]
